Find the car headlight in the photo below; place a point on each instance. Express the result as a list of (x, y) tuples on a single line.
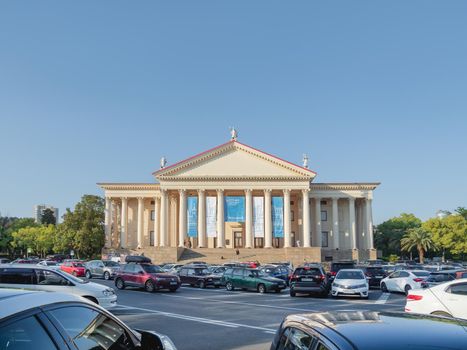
[(360, 286), (337, 285), (108, 292), (167, 343)]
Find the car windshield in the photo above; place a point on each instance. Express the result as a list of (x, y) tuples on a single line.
[(111, 263), (71, 277), (256, 273), (421, 273), (375, 270), (307, 271), (51, 263), (201, 272), (350, 275), (338, 266), (152, 268), (78, 264)]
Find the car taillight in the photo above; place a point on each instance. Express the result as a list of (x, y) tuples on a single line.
[(322, 277), (333, 273), (294, 278), (414, 297), (418, 279)]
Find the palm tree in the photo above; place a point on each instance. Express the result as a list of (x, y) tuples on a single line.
[(417, 238)]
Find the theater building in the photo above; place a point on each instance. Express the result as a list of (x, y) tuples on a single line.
[(235, 197)]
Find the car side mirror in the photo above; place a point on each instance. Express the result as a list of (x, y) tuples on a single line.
[(151, 341), (140, 272), (251, 275)]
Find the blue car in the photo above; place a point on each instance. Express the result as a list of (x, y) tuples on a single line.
[(281, 272)]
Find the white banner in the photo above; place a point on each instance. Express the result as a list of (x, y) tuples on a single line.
[(258, 216), (211, 216)]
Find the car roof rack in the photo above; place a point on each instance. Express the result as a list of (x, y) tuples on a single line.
[(137, 259)]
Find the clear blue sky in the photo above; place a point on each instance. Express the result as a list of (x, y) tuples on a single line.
[(97, 91)]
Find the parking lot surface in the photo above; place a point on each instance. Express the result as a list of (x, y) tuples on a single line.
[(218, 319)]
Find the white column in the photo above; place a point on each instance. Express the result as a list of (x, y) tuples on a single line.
[(140, 222), (124, 223), (369, 223), (335, 223), (287, 223), (201, 219), (306, 218), (248, 218), (108, 222), (318, 235), (182, 219), (267, 219), (164, 219), (352, 228), (220, 219), (157, 216)]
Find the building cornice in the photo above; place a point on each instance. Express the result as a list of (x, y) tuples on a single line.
[(343, 186), (129, 186), (231, 178)]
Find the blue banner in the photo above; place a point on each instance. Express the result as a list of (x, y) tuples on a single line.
[(278, 216), (234, 209), (192, 216)]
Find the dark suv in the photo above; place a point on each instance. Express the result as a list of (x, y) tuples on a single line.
[(198, 275), (310, 279), (374, 274), (147, 276), (439, 277), (336, 266)]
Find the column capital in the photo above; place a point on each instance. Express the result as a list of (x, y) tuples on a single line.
[(163, 191), (124, 199), (267, 190), (157, 197), (220, 191), (351, 199), (248, 190), (201, 191), (182, 192), (107, 198), (317, 198), (140, 198), (286, 191)]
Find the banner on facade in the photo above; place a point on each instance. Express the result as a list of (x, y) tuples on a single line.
[(234, 207), (211, 216), (192, 216), (278, 217), (258, 217)]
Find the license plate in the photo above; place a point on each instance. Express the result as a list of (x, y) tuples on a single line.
[(379, 276), (348, 291), (173, 283), (307, 279)]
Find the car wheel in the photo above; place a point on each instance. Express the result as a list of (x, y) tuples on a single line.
[(173, 290), (217, 287), (292, 293), (106, 275), (278, 290), (88, 275), (119, 283), (407, 288), (149, 286), (384, 289), (441, 313), (202, 285), (229, 286), (261, 289)]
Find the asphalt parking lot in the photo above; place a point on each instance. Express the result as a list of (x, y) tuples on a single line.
[(217, 319)]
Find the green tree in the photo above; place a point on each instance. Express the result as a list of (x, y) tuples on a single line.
[(37, 238), (449, 234), (389, 233), (419, 239), (48, 217), (462, 211), (82, 229), (8, 225)]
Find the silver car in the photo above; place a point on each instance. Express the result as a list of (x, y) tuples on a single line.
[(101, 268)]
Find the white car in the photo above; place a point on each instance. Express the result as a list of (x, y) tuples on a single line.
[(34, 277), (50, 264), (350, 282), (446, 299), (403, 281)]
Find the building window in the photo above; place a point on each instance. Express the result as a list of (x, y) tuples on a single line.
[(324, 202), (324, 215), (259, 242), (324, 239), (151, 238), (153, 215), (292, 215)]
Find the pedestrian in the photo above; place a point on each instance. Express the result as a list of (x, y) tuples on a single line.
[(189, 244), (237, 252)]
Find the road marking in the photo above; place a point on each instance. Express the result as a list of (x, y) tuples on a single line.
[(383, 298), (200, 319)]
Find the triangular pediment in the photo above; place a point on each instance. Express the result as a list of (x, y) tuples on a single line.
[(234, 160)]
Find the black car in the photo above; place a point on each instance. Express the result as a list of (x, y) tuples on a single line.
[(309, 279), (439, 277), (199, 275), (336, 266), (374, 274), (281, 272), (369, 330)]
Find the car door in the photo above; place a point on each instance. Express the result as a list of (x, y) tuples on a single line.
[(139, 276), (22, 278), (98, 268), (237, 278), (455, 299), (50, 281), (402, 281), (183, 275), (391, 282), (249, 279)]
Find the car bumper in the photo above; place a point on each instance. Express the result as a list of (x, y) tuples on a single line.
[(362, 292), (277, 287), (308, 289), (108, 302), (167, 285)]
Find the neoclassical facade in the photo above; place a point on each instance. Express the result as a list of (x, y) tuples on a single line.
[(234, 197)]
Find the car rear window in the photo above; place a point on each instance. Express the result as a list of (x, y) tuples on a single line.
[(339, 266), (375, 270), (307, 271), (421, 273)]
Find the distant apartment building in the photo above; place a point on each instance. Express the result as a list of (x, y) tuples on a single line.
[(39, 209)]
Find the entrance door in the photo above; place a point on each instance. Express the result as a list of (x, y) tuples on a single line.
[(238, 239)]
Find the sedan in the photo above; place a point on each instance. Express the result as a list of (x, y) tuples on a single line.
[(404, 280), (350, 282), (74, 268), (448, 299)]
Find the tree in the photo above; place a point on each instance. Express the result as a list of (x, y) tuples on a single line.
[(462, 211), (83, 228), (419, 239), (37, 238), (48, 217), (449, 234), (389, 233), (8, 225)]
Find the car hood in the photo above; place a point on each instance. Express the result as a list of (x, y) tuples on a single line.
[(91, 286), (349, 282)]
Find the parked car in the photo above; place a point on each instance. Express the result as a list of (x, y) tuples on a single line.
[(147, 276), (461, 274), (368, 330), (448, 299), (246, 278), (336, 266), (438, 277), (75, 268), (404, 280), (57, 257), (350, 282), (171, 267), (50, 264), (105, 269), (42, 278), (374, 274), (4, 261), (309, 279), (199, 275), (25, 261), (281, 272), (217, 270), (37, 320)]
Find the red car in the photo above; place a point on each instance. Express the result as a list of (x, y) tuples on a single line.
[(147, 276), (74, 268)]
